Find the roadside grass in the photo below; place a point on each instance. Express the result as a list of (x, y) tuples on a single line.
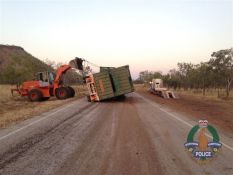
[(15, 109), (211, 94), (5, 94)]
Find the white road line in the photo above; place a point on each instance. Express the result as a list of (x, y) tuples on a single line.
[(34, 122), (179, 119)]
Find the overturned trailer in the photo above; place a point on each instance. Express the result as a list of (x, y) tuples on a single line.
[(109, 83)]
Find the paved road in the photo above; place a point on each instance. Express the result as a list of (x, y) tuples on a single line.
[(131, 137)]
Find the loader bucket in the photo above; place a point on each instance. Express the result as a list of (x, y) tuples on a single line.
[(77, 63)]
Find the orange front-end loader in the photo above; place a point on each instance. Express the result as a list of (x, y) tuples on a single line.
[(45, 86)]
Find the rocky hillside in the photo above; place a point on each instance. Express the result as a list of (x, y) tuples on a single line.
[(16, 65)]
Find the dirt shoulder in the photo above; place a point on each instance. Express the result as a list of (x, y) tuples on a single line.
[(217, 112), (16, 109)]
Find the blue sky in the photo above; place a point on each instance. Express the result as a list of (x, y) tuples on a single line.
[(146, 34)]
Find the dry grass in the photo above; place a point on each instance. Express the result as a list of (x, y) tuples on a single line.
[(211, 94), (15, 109), (5, 94)]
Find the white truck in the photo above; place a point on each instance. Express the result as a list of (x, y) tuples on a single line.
[(156, 87)]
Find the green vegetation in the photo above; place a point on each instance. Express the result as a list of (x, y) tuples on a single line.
[(215, 74), (17, 65)]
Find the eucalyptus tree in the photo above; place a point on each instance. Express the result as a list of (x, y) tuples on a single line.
[(221, 63)]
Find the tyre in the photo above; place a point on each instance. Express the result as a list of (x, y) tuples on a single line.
[(121, 97), (62, 93), (45, 98), (51, 92), (72, 91), (88, 98), (35, 95)]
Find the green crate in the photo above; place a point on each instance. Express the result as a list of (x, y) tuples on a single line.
[(103, 85), (102, 69), (112, 82), (122, 80)]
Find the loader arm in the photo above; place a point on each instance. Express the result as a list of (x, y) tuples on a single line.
[(60, 71)]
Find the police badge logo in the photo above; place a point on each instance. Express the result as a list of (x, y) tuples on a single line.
[(203, 142)]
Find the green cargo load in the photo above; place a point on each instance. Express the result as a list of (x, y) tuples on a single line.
[(122, 80), (109, 83), (103, 85)]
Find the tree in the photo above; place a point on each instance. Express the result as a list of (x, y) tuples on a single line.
[(52, 63), (144, 76), (186, 70), (222, 65), (203, 76), (147, 76), (172, 79)]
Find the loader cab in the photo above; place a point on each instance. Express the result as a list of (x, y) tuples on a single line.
[(46, 78)]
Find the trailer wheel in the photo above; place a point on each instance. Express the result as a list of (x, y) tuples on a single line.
[(72, 91), (121, 97), (35, 95), (62, 93), (88, 98)]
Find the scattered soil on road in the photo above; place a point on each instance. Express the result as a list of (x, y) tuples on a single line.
[(217, 112)]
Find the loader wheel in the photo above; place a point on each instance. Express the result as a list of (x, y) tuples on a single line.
[(35, 95), (45, 98), (51, 92), (72, 91), (62, 93)]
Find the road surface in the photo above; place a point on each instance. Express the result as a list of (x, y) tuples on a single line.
[(136, 136)]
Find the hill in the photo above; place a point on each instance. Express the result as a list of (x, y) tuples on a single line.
[(16, 65)]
